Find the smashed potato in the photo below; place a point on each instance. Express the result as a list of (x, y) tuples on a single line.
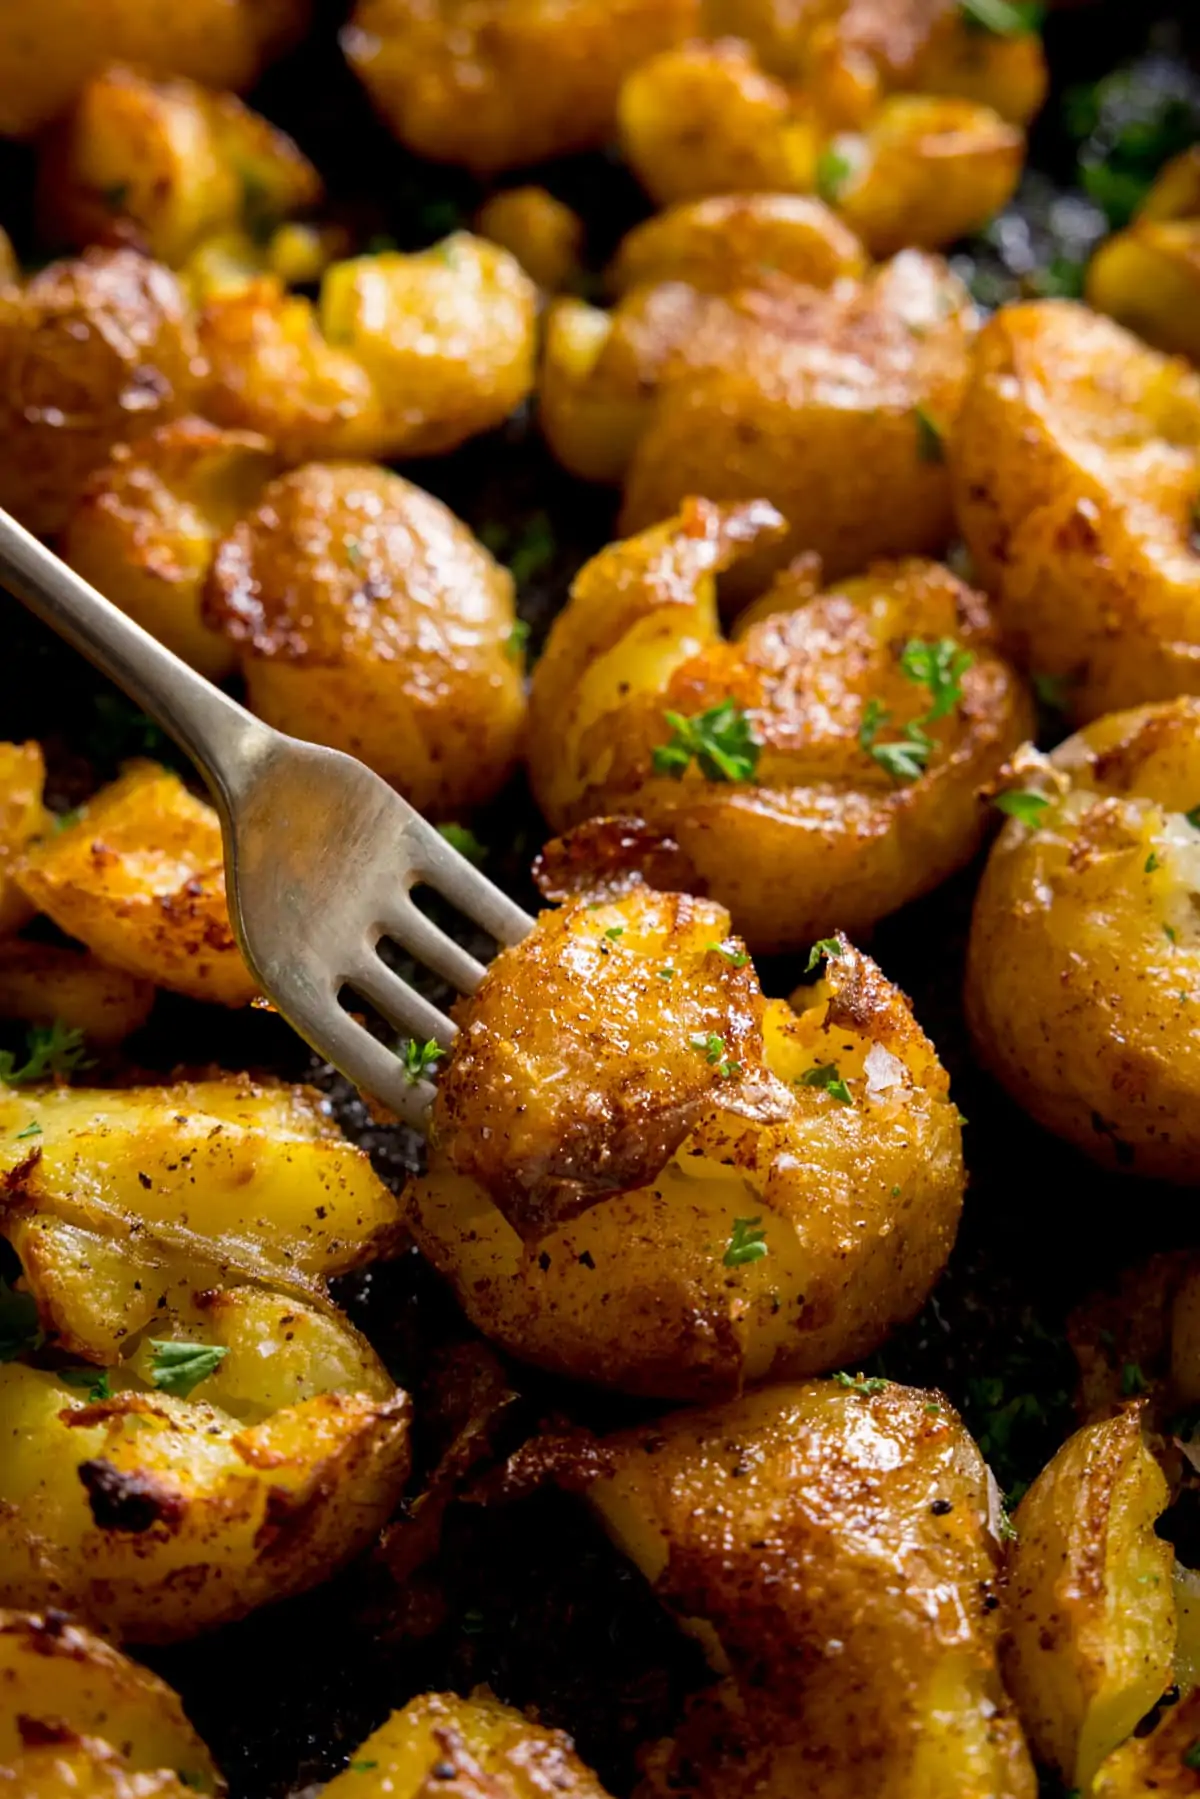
[(917, 169), (834, 1548), (149, 520), (824, 821), (543, 233), (42, 982), (139, 876), (1076, 460), (1089, 893), (496, 83), (165, 165), (77, 1716), (367, 617), (653, 1179), (23, 816), (1148, 276), (731, 241), (496, 1752), (92, 352), (1163, 1762), (403, 356), (1090, 1614)]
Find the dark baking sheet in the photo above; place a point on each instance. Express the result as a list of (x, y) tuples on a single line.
[(530, 1598)]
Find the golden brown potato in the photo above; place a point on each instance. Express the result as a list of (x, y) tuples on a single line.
[(645, 1176), (367, 617), (92, 352), (496, 83), (916, 169), (488, 1751), (41, 982), (832, 814), (1083, 968), (1075, 461), (1090, 1617), (22, 818), (834, 1548), (1148, 276), (405, 355), (149, 519), (1164, 1763), (67, 1698), (139, 876), (165, 164), (48, 52), (10, 269), (544, 235), (730, 241)]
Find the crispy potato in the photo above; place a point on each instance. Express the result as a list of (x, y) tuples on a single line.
[(165, 164), (1162, 1763), (139, 876), (917, 169), (10, 268), (22, 818), (1075, 460), (492, 1750), (67, 1694), (92, 352), (729, 241), (367, 617), (834, 1548), (493, 84), (1090, 1617), (597, 1156), (1084, 958), (48, 53), (1148, 276), (41, 982), (816, 831), (406, 355), (149, 519), (544, 235)]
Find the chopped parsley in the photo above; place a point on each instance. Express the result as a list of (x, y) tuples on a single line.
[(1133, 1381), (905, 758), (747, 1243), (833, 171), (1022, 805), (1172, 936), (736, 958), (50, 1049), (826, 1077), (1052, 691), (31, 1130), (822, 950), (64, 821), (464, 841), (20, 1332), (713, 1049), (178, 1366), (94, 1382), (721, 741), (1002, 18), (939, 665), (1191, 1755), (518, 637), (930, 445), (614, 931), (354, 550), (361, 1767), (533, 550), (1193, 818), (665, 974), (867, 1386), (1151, 863), (417, 1057)]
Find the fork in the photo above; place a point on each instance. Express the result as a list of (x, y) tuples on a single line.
[(321, 855)]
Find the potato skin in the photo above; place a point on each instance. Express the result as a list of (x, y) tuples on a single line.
[(1148, 276), (821, 835), (149, 519), (815, 403), (1074, 466), (835, 1551), (496, 1751), (1155, 1763), (367, 617), (499, 83), (542, 232), (92, 352), (40, 982), (1090, 1618), (23, 816), (589, 1160), (1090, 906), (94, 1705), (140, 878), (728, 241)]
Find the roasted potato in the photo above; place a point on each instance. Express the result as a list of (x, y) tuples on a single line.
[(92, 352), (22, 818), (653, 1179), (543, 233), (493, 84), (42, 982), (917, 169), (1165, 1762), (367, 617), (834, 1548), (1075, 460), (165, 164), (404, 356), (825, 818), (1089, 1611), (149, 519), (492, 1750), (139, 877), (1084, 959), (1148, 276), (70, 1701), (730, 241)]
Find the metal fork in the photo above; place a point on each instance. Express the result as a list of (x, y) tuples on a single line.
[(321, 856)]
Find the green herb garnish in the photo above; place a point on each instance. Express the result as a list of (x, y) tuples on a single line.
[(50, 1049), (713, 1050), (614, 931), (833, 171), (826, 1077), (31, 1130), (1151, 863), (1191, 1755), (821, 951), (178, 1366), (1133, 1381), (865, 1385), (518, 637), (464, 841), (417, 1057), (930, 445), (736, 958), (721, 740), (939, 665), (1022, 805), (1002, 18), (20, 1332), (747, 1243), (94, 1382)]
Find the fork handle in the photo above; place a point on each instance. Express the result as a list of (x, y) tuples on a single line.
[(221, 737)]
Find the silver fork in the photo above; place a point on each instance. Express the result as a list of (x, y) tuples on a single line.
[(321, 856)]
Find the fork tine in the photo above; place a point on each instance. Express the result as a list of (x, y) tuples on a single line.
[(470, 892), (399, 1003), (429, 944), (373, 1067)]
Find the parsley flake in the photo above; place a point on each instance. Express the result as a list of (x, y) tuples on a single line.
[(833, 172), (362, 1767), (179, 1366), (867, 1386), (614, 931), (1151, 863), (50, 1049), (747, 1243), (1172, 936), (1025, 806), (1191, 1755), (417, 1057), (1002, 18), (31, 1130), (713, 1049), (1052, 691), (1193, 818), (94, 1382), (1133, 1381), (20, 1332), (534, 549), (822, 950), (827, 1076), (930, 445), (665, 974), (721, 740), (464, 841), (64, 821), (939, 665), (518, 637), (736, 958)]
